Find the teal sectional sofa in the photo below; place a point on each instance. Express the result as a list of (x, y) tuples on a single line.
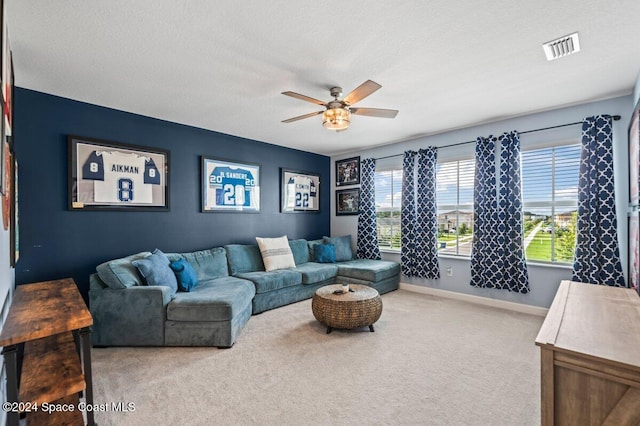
[(232, 285)]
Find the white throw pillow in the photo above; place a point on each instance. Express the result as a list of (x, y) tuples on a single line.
[(276, 253)]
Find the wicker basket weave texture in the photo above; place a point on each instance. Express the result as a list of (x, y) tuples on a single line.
[(361, 308)]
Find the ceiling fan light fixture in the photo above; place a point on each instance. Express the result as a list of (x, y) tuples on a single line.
[(336, 118)]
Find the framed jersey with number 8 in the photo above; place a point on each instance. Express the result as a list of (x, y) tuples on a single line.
[(107, 175), (229, 186)]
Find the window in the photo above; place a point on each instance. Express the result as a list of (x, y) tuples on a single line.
[(550, 200), (454, 196), (388, 189)]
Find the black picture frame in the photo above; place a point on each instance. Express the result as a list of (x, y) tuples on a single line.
[(634, 156), (220, 180), (348, 171), (634, 249), (106, 175), (299, 191), (347, 202)]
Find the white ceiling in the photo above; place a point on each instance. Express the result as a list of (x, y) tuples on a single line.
[(221, 65)]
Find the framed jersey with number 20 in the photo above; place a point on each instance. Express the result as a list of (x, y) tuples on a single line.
[(229, 186), (107, 175)]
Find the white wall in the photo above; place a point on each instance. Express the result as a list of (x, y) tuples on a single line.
[(544, 280), (636, 92)]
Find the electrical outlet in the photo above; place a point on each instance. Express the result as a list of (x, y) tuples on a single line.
[(449, 271)]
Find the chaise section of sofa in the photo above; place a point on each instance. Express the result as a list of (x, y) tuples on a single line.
[(128, 313)]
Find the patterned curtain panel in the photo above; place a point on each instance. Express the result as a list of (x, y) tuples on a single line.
[(407, 213), (510, 236), (497, 258), (367, 232), (420, 218), (597, 257), (485, 216)]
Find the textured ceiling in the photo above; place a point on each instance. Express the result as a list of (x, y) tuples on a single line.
[(221, 65)]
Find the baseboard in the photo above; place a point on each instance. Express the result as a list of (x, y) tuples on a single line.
[(502, 304)]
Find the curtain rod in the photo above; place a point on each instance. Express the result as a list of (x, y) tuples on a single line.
[(615, 118)]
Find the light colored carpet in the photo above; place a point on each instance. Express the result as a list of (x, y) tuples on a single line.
[(430, 361)]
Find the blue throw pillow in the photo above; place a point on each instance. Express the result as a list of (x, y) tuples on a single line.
[(187, 278), (325, 253), (342, 247), (156, 271)]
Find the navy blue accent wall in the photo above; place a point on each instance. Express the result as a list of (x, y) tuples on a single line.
[(56, 242)]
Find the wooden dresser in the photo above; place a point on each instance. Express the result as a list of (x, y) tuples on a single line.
[(590, 356), (52, 322)]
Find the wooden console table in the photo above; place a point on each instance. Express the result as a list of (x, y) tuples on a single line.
[(52, 321), (590, 356)]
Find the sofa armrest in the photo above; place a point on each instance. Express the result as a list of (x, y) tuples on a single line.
[(132, 316)]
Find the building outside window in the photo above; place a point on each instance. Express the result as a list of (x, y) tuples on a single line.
[(454, 197)]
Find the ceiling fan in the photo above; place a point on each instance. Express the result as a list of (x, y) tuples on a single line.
[(337, 115)]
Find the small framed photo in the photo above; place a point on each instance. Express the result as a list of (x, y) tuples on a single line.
[(634, 156), (299, 191), (107, 175), (634, 250), (347, 201), (348, 171), (228, 186)]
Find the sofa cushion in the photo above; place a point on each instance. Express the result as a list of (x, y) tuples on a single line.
[(274, 280), (316, 272), (220, 299), (276, 253), (244, 258), (187, 277), (120, 273), (342, 245), (300, 251), (311, 244), (324, 253), (156, 271), (368, 269), (208, 264)]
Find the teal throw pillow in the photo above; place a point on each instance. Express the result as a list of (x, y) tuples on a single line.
[(342, 247), (325, 253), (156, 271), (186, 275)]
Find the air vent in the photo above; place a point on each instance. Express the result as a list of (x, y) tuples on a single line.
[(562, 46)]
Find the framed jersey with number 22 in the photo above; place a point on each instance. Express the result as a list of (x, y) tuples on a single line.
[(107, 175), (229, 186), (299, 191)]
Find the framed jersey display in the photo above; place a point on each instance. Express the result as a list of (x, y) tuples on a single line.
[(229, 186), (299, 191), (115, 176)]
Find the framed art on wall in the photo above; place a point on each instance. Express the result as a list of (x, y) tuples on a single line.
[(347, 202), (634, 156), (634, 249), (229, 186), (299, 191), (348, 171), (106, 175)]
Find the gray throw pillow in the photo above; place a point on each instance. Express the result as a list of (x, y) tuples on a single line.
[(342, 247), (156, 271)]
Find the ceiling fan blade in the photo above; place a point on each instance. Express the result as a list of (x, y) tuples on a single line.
[(375, 112), (301, 117), (304, 98), (361, 92)]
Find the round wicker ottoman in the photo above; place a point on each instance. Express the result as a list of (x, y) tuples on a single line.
[(356, 309)]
